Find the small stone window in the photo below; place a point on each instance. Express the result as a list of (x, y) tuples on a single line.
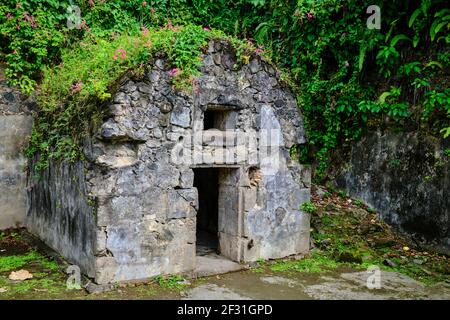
[(220, 118)]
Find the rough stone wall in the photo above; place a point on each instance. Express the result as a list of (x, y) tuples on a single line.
[(406, 177), (139, 169), (15, 128)]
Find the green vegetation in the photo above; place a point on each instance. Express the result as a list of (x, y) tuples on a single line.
[(72, 94), (172, 282), (316, 262), (353, 236), (347, 77), (8, 263), (358, 202), (308, 207), (447, 152), (44, 284), (394, 163)]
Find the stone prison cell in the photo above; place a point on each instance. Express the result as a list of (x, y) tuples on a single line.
[(170, 178)]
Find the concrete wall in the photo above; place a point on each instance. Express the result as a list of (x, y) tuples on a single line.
[(15, 128), (61, 214), (406, 177)]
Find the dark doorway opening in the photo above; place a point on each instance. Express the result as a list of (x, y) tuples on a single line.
[(206, 180)]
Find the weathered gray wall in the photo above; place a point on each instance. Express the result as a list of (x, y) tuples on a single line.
[(406, 177), (60, 213), (15, 128)]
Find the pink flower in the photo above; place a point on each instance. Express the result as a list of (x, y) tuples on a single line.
[(120, 53), (153, 10), (206, 29), (144, 31), (14, 52), (171, 27), (18, 27), (148, 44), (76, 87), (29, 19), (144, 4), (309, 16), (91, 3), (174, 72), (9, 16), (18, 5), (259, 50)]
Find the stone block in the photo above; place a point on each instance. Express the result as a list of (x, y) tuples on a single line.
[(302, 242), (186, 178), (100, 243), (250, 248), (116, 162), (230, 246), (105, 270), (182, 203), (181, 116), (229, 210)]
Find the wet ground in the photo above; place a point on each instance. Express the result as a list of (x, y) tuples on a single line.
[(282, 279), (334, 285)]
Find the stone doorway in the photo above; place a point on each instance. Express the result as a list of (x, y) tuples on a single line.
[(206, 180), (217, 220)]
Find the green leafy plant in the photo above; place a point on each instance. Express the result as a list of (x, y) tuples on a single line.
[(308, 207), (172, 282)]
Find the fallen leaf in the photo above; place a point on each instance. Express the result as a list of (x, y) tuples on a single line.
[(20, 275), (2, 290)]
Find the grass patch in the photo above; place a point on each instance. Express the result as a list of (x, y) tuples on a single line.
[(172, 282), (49, 264), (258, 270), (32, 286), (317, 262), (9, 263)]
